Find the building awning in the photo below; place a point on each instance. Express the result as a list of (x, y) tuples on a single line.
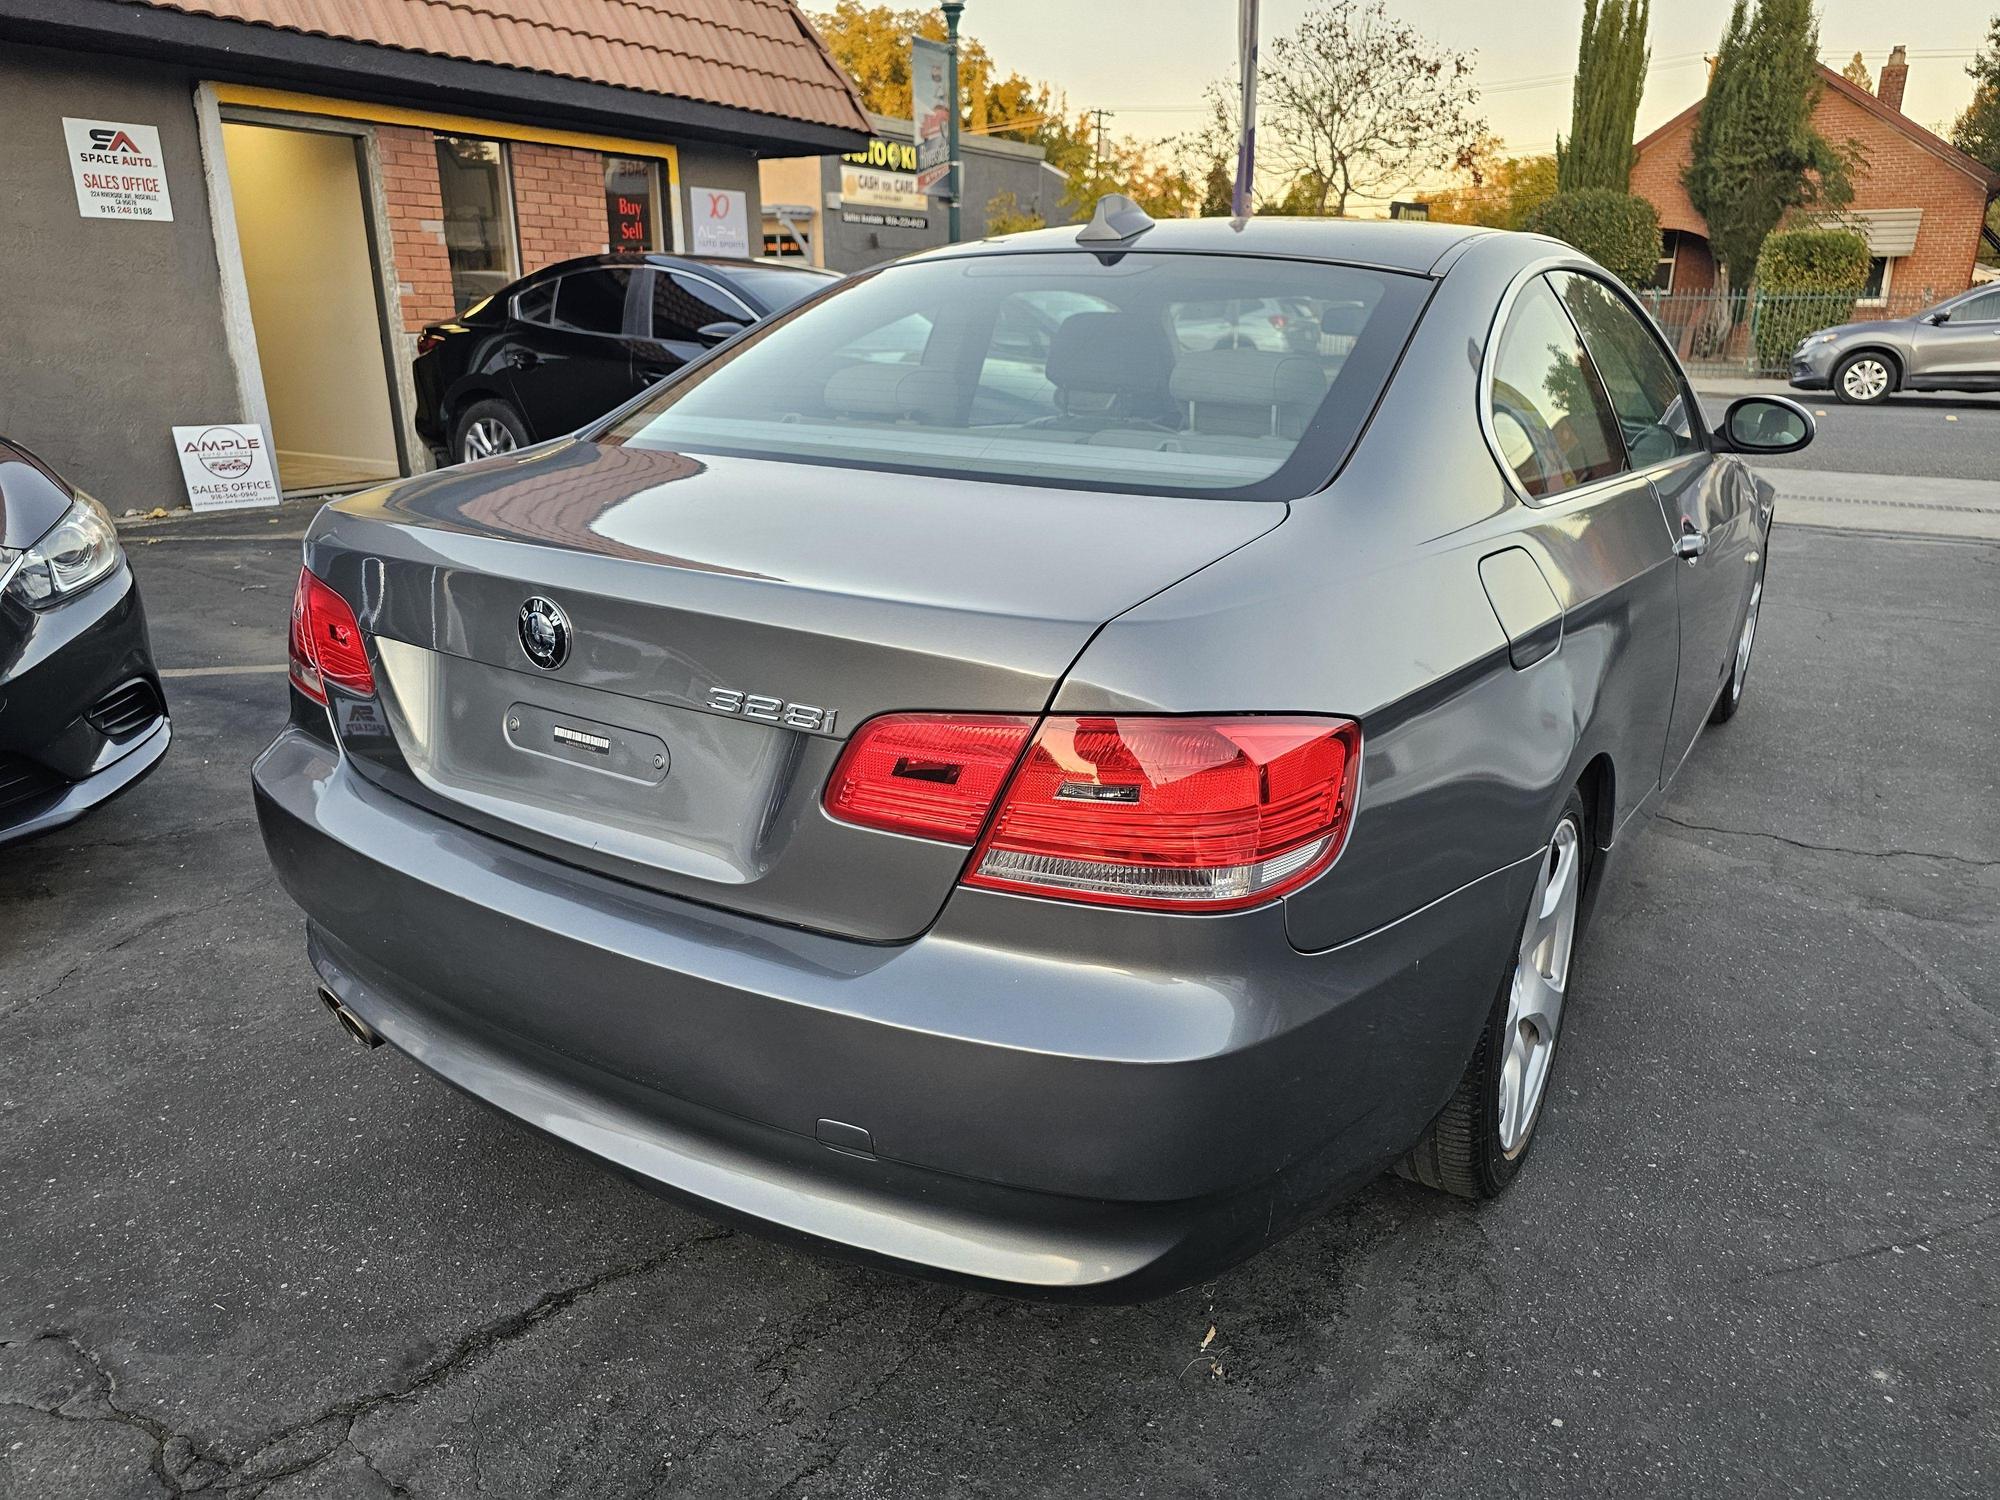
[(1889, 231), (744, 72)]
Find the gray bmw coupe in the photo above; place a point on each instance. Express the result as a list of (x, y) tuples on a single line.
[(994, 773)]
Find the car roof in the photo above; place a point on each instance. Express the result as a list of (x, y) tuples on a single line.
[(1394, 245), (669, 260)]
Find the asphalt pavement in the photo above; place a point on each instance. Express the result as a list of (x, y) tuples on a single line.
[(1754, 1254)]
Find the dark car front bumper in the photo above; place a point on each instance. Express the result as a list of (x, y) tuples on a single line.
[(1110, 1126), (82, 716)]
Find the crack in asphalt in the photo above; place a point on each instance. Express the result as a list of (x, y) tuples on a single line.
[(1887, 1247), (203, 1470), (151, 924), (1779, 838)]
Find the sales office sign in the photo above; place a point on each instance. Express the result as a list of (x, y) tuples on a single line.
[(118, 168)]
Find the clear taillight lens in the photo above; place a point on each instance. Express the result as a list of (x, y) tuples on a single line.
[(326, 642)]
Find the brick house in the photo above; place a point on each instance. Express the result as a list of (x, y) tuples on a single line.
[(1920, 202), (332, 177)]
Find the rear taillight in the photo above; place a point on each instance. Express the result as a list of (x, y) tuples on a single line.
[(1179, 814), (1206, 814), (326, 642), (428, 340), (932, 775)]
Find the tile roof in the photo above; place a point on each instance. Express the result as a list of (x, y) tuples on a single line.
[(756, 55)]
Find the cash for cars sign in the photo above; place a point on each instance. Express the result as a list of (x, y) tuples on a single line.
[(226, 466), (119, 171)]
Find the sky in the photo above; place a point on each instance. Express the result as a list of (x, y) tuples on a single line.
[(1148, 60)]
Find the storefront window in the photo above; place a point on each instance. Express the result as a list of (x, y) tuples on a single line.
[(478, 217), (632, 204)]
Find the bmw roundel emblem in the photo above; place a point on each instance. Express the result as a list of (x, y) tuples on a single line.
[(544, 633)]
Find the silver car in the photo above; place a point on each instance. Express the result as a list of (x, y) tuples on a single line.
[(1954, 346), (1056, 845)]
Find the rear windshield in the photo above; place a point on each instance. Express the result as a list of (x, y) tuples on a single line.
[(1202, 374), (778, 287)]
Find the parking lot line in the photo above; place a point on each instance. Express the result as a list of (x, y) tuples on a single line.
[(240, 671)]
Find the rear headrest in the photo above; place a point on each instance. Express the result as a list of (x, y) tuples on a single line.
[(1343, 321), (1248, 377), (893, 393), (1108, 353)]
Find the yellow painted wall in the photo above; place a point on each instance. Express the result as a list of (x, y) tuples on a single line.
[(299, 219)]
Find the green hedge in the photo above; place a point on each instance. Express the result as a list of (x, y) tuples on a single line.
[(1618, 231), (1806, 279)]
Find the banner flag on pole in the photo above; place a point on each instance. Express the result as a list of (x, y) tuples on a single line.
[(1246, 146)]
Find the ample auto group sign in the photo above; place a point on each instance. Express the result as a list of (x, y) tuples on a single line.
[(118, 169)]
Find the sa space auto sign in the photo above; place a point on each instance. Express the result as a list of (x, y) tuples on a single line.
[(118, 170)]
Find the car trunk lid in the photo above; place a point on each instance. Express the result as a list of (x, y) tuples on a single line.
[(726, 623)]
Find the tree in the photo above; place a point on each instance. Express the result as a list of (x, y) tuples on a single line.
[(1856, 72), (1611, 64), (1755, 155), (1500, 191), (872, 43), (1004, 215), (1355, 102), (1977, 132), (1619, 231), (1144, 172), (1218, 191)]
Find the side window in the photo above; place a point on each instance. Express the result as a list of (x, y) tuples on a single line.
[(1645, 389), (1984, 308), (537, 304), (593, 301), (1555, 429), (684, 304)]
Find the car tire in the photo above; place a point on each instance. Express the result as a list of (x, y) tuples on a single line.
[(1864, 379), (485, 429), (1739, 663), (1476, 1145)]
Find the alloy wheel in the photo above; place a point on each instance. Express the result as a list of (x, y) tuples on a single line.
[(1865, 380), (1746, 640), (486, 437), (1535, 996)]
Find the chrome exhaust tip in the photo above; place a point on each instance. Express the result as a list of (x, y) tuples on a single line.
[(350, 1023)]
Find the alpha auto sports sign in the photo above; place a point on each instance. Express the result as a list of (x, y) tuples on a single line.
[(118, 169), (226, 466)]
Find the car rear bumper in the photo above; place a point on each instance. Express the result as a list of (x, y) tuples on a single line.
[(1109, 1127), (82, 717)]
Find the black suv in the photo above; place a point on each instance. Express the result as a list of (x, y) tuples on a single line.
[(556, 349)]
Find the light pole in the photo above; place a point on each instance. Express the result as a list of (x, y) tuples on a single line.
[(951, 9)]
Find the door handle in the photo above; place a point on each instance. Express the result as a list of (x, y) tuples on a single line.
[(1693, 541)]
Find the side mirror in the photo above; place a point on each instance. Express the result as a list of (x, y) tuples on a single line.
[(1935, 318), (1765, 424), (716, 332)]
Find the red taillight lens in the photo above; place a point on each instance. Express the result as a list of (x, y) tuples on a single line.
[(428, 340), (1207, 814), (932, 775), (326, 642)]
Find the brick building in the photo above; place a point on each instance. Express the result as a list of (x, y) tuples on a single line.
[(226, 211), (1920, 201)]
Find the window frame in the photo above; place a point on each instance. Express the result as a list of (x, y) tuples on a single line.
[(662, 236), (1489, 356), (1880, 298), (510, 201)]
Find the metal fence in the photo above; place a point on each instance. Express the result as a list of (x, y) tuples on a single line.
[(1754, 333)]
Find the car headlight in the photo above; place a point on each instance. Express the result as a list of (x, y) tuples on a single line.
[(72, 555), (1816, 338)]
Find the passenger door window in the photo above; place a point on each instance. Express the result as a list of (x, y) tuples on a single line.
[(1645, 389), (684, 305), (593, 301), (1554, 426), (1984, 308)]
